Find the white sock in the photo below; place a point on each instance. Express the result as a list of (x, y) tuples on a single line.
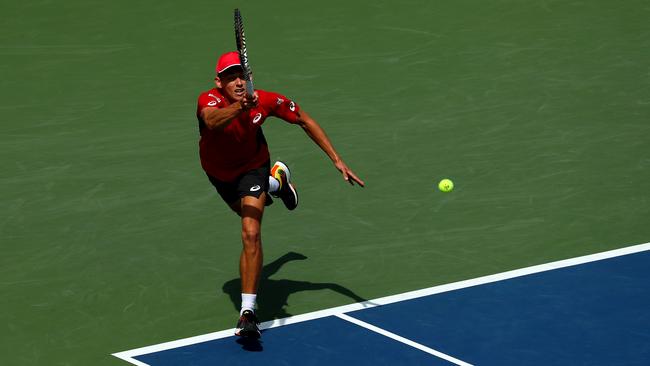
[(274, 185), (247, 302)]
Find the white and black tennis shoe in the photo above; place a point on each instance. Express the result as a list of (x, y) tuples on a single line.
[(247, 325), (287, 191)]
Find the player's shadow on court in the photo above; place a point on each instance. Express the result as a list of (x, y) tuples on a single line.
[(273, 294)]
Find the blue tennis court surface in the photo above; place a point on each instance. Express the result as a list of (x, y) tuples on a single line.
[(592, 310)]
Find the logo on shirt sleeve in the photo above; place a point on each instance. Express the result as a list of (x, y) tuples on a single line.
[(292, 106), (280, 101), (215, 101)]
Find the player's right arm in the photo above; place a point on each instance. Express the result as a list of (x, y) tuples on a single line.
[(219, 118)]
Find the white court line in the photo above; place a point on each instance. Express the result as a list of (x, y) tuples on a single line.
[(401, 339), (128, 355)]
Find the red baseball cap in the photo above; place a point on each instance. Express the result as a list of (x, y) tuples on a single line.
[(227, 60)]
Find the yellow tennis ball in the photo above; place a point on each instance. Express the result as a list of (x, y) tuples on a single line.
[(446, 185)]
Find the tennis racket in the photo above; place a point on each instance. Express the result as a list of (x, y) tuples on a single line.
[(243, 55)]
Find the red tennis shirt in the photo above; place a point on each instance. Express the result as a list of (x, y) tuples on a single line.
[(241, 146)]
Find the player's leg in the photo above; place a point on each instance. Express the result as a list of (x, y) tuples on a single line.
[(280, 185), (250, 263), (252, 209), (246, 197), (252, 188)]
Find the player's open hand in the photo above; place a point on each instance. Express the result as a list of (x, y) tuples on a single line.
[(348, 174)]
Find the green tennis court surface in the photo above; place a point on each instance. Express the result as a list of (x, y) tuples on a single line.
[(112, 238)]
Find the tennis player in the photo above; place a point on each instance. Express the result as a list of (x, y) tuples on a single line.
[(235, 156)]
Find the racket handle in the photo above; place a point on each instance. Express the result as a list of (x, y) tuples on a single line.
[(249, 88)]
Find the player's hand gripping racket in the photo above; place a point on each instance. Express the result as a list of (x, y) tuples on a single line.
[(243, 56)]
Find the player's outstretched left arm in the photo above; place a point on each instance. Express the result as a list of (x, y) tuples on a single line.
[(317, 134)]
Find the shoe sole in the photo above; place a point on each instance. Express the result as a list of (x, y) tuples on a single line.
[(295, 196)]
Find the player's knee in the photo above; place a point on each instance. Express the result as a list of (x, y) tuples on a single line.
[(252, 248), (251, 238)]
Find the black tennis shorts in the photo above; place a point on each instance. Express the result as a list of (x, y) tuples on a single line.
[(251, 183)]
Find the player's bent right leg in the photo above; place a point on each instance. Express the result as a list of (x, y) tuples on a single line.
[(287, 191)]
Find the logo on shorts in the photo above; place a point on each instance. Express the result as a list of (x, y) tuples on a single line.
[(255, 188), (257, 118), (292, 106), (212, 103), (280, 101)]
